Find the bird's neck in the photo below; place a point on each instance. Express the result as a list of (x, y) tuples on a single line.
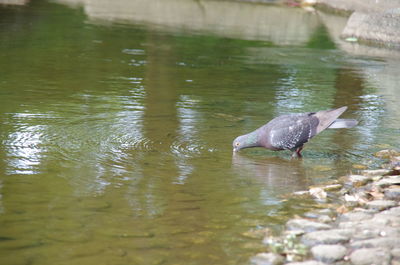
[(252, 139)]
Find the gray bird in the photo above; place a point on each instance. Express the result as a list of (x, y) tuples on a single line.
[(292, 131)]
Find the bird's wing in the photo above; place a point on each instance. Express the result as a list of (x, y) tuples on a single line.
[(292, 131)]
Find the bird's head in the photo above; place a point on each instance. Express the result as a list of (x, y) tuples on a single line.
[(238, 143), (245, 141)]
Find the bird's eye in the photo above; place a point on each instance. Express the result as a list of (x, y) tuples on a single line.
[(237, 144)]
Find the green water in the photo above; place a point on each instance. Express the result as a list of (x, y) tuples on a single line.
[(116, 128)]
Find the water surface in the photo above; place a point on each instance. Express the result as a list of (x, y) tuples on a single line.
[(116, 126)]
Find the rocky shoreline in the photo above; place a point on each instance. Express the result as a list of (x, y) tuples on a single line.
[(375, 22), (359, 222)]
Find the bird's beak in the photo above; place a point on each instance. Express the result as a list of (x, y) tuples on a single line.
[(235, 150)]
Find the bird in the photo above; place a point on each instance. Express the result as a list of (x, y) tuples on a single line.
[(292, 131)]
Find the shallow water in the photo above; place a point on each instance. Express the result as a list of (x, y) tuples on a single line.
[(116, 126)]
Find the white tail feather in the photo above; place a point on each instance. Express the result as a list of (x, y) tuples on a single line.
[(343, 123)]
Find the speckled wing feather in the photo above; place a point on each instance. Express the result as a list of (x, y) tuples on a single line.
[(292, 131)]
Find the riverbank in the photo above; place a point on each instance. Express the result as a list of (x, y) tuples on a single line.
[(370, 21), (358, 222)]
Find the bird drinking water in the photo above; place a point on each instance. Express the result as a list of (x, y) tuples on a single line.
[(292, 131)]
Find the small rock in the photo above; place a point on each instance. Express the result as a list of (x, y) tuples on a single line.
[(306, 225), (392, 193), (333, 236), (388, 153), (370, 256), (358, 180), (382, 242), (267, 259), (389, 181), (351, 198), (328, 253), (380, 204), (318, 193), (355, 216), (375, 172)]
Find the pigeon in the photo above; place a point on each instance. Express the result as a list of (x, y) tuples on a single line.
[(292, 131)]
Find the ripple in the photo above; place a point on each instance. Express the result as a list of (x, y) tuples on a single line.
[(133, 51), (187, 149)]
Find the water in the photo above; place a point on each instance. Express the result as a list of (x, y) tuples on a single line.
[(116, 126)]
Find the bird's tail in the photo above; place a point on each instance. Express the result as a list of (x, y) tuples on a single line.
[(343, 123)]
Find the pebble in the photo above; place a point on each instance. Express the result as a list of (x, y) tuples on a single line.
[(328, 253), (381, 204), (333, 236), (267, 259), (306, 225), (368, 256)]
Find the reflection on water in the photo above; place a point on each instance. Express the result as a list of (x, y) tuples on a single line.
[(13, 2), (234, 19), (275, 174), (115, 139)]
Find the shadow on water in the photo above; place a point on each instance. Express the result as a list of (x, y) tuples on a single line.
[(117, 120)]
